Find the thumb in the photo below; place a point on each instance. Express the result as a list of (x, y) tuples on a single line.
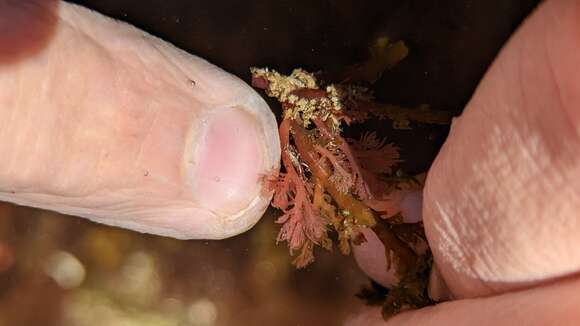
[(107, 122), (503, 196), (501, 201)]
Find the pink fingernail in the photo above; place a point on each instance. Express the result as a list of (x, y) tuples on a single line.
[(412, 206), (230, 160)]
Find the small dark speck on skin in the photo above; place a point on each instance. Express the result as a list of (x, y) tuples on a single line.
[(146, 173), (191, 82)]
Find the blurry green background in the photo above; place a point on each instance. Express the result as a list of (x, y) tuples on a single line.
[(60, 270)]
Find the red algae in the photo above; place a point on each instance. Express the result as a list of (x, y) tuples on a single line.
[(331, 187)]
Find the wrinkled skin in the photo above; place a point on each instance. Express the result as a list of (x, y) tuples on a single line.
[(501, 201), (104, 121)]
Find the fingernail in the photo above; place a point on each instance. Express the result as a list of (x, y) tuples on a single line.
[(438, 289), (412, 206), (370, 257), (229, 161)]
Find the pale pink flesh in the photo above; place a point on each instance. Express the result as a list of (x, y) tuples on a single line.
[(502, 199), (107, 122), (550, 305), (229, 165), (501, 202), (371, 258), (370, 255)]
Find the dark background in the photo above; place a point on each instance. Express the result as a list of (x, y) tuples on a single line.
[(451, 42), (247, 280)]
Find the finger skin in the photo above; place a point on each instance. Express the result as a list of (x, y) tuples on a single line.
[(25, 28), (110, 123), (502, 200), (370, 254), (556, 304)]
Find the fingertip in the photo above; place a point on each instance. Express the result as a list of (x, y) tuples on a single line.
[(26, 27), (412, 206), (501, 198), (371, 257), (437, 289), (367, 316), (229, 159), (95, 146)]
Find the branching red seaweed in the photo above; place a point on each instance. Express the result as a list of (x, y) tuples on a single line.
[(332, 184)]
